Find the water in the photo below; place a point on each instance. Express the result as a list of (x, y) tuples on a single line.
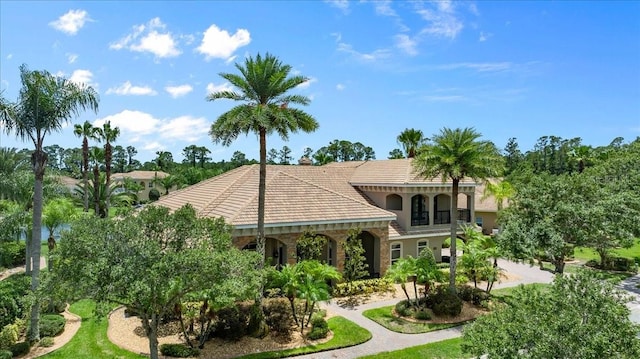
[(45, 233)]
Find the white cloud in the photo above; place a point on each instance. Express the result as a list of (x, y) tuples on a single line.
[(406, 44), (82, 77), (71, 22), (484, 36), (132, 123), (71, 58), (211, 88), (178, 91), (365, 57), (128, 89), (152, 38), (442, 19), (339, 4), (443, 98), (307, 83), (153, 146), (9, 57), (185, 128), (340, 87), (217, 43), (384, 8)]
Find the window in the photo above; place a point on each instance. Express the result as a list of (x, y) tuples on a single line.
[(396, 252), (479, 221), (150, 184), (419, 211), (422, 245), (394, 202), (142, 184)]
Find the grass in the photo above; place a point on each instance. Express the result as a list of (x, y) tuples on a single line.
[(345, 334), (385, 317), (446, 349), (504, 294), (91, 339), (585, 254)]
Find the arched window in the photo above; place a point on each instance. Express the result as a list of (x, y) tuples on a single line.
[(394, 202), (419, 211)]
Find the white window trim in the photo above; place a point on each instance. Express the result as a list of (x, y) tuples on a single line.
[(418, 245), (391, 250)]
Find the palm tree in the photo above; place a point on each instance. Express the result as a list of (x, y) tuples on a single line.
[(86, 131), (262, 87), (96, 154), (456, 154), (411, 139), (45, 103), (500, 191), (108, 134)]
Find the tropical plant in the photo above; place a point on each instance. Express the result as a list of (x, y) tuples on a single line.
[(411, 139), (355, 263), (56, 212), (500, 191), (96, 155), (262, 87), (108, 134), (86, 131), (456, 154), (45, 104)]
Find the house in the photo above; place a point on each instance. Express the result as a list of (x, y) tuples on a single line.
[(146, 179), (486, 209), (398, 212), (70, 183)]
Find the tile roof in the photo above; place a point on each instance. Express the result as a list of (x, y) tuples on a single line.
[(295, 194)]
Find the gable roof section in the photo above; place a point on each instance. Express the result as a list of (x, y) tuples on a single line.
[(295, 195)]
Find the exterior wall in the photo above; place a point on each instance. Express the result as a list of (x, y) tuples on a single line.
[(489, 221), (410, 246), (381, 236)]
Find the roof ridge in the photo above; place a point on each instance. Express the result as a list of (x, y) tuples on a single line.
[(227, 191), (332, 191)]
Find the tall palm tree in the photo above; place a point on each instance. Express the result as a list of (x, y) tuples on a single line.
[(456, 154), (96, 154), (262, 87), (411, 139), (86, 131), (45, 103), (108, 134)]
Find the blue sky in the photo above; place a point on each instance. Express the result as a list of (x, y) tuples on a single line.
[(509, 69)]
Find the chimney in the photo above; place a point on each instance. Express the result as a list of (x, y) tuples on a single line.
[(304, 161)]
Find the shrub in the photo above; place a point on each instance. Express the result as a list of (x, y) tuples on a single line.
[(6, 354), (616, 263), (319, 328), (403, 308), (231, 324), (445, 302), (12, 292), (278, 316), (465, 292), (178, 351), (364, 286), (12, 254), (21, 348), (422, 315), (51, 325), (9, 336), (46, 342), (255, 327), (154, 194)]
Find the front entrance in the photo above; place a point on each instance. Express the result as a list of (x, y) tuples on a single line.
[(371, 247)]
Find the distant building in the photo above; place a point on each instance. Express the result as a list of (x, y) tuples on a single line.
[(146, 179)]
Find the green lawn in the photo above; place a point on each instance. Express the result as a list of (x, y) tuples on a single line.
[(585, 254), (91, 340), (504, 294), (345, 334), (384, 316), (446, 349)]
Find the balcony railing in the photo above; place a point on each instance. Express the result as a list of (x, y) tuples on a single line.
[(464, 215), (442, 217), (420, 218)]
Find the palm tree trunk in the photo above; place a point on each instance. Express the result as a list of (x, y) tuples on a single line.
[(39, 161), (260, 240), (107, 195), (85, 172), (454, 230)]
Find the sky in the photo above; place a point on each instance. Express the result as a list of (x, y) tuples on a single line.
[(507, 68)]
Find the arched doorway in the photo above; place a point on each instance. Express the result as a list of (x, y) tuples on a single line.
[(371, 246), (275, 252)]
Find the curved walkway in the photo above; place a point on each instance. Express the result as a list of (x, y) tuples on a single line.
[(385, 340)]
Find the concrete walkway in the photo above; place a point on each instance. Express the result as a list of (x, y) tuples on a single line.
[(385, 340)]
